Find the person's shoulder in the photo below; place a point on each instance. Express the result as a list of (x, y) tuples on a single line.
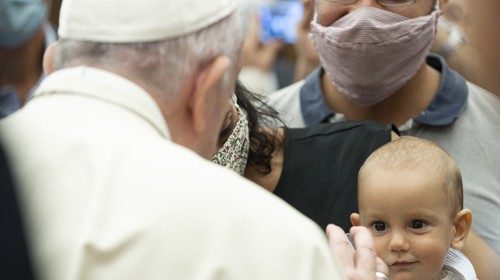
[(482, 97), (481, 113), (287, 102), (211, 187), (232, 218), (345, 128), (292, 88), (286, 94)]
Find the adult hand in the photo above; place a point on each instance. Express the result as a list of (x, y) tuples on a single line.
[(257, 54), (359, 264)]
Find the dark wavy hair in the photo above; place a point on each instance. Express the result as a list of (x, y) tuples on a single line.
[(263, 122)]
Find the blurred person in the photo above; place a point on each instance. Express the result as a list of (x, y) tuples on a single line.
[(55, 7), (375, 65), (307, 58), (114, 186), (268, 66), (410, 197), (259, 58), (25, 33), (471, 42)]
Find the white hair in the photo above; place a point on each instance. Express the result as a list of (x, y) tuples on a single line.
[(167, 65)]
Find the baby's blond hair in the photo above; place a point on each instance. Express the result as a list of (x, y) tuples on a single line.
[(412, 153)]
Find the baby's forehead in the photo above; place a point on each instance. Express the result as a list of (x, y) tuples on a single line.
[(395, 190), (421, 180), (411, 165), (423, 170)]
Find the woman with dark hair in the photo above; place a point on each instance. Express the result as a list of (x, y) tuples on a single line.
[(314, 169)]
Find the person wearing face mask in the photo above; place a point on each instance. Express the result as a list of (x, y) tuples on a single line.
[(376, 65), (25, 33), (117, 185)]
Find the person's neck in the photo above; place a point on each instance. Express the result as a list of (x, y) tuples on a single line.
[(397, 109), (269, 181), (21, 67)]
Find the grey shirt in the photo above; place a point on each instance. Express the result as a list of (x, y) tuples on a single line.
[(463, 118)]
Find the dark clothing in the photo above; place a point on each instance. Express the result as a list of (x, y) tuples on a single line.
[(14, 257), (320, 168)]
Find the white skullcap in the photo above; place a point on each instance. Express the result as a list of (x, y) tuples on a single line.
[(128, 21)]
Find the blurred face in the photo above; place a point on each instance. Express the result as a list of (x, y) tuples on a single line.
[(329, 12), (411, 222)]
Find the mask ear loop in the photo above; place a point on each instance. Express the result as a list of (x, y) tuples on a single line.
[(315, 17), (234, 99), (315, 20)]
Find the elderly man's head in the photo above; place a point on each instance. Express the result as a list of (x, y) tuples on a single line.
[(185, 54)]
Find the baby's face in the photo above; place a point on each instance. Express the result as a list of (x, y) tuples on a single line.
[(410, 219)]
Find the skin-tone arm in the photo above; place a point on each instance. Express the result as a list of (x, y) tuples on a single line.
[(358, 264), (477, 59), (483, 258)]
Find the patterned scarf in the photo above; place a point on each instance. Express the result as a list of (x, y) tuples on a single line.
[(234, 153)]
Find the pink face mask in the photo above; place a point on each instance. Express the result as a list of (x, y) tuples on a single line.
[(371, 53)]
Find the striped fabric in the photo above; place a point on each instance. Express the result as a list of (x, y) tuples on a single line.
[(371, 53)]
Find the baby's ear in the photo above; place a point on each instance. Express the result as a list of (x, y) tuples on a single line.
[(462, 225), (355, 219)]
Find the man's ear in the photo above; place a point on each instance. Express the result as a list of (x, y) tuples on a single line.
[(205, 102), (49, 58), (208, 86), (462, 225), (355, 219)]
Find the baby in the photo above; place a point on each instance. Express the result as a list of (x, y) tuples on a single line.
[(410, 197)]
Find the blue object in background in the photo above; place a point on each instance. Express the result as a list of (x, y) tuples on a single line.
[(278, 20)]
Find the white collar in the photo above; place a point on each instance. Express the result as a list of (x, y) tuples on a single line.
[(460, 265), (108, 87)]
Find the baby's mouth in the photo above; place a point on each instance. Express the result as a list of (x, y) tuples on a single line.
[(403, 264)]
